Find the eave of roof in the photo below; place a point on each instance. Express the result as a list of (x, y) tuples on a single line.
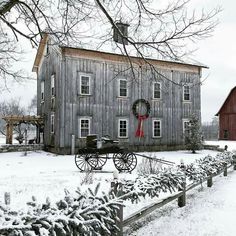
[(44, 40), (232, 90), (200, 65)]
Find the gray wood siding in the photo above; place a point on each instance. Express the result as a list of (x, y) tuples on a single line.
[(104, 107)]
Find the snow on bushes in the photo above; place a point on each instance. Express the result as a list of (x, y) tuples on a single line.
[(170, 180), (83, 214)]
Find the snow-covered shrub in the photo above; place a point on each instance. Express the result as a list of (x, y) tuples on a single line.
[(207, 166), (82, 214), (149, 166), (168, 180), (193, 134)]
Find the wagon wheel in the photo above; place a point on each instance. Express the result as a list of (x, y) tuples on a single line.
[(100, 161), (125, 161), (85, 161)]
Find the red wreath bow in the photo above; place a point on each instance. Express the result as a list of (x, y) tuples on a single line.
[(139, 131)]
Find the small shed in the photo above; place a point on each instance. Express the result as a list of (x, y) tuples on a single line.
[(227, 117)]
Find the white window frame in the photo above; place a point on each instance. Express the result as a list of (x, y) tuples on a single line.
[(119, 94), (80, 83), (89, 126), (153, 90), (186, 100), (185, 121), (127, 129), (153, 133), (53, 85), (52, 123), (42, 94)]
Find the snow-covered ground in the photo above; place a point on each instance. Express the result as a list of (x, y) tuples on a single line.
[(43, 174)]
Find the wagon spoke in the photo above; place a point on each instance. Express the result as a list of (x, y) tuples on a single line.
[(125, 161), (82, 162)]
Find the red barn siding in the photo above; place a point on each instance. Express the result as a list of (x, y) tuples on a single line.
[(227, 117)]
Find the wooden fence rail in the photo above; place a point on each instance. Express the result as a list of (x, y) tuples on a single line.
[(180, 195)]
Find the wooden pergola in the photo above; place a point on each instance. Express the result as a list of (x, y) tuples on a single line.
[(15, 120)]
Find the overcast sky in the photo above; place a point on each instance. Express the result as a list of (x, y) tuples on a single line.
[(217, 52)]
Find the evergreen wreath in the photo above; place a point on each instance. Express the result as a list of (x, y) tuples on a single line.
[(148, 108)]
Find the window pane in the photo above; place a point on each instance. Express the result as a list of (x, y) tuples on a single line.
[(186, 127), (52, 123), (52, 85), (84, 85), (186, 93), (84, 128), (157, 90), (42, 90), (123, 88), (123, 128), (156, 128)]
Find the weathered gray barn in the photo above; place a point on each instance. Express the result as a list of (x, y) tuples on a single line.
[(83, 92)]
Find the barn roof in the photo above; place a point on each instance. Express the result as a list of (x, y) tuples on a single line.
[(226, 100), (43, 42)]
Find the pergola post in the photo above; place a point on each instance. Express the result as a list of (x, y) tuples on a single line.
[(9, 133)]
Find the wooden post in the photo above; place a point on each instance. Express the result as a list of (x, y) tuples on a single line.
[(209, 181), (234, 161), (9, 133), (116, 186), (182, 198), (72, 144), (225, 170), (7, 198)]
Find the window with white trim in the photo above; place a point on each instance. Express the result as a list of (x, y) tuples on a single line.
[(156, 90), (52, 123), (85, 81), (123, 90), (156, 128), (84, 127), (186, 93), (53, 85), (123, 128), (42, 91)]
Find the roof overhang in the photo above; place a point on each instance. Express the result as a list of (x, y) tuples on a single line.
[(40, 51)]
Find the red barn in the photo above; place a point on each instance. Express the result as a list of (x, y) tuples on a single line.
[(227, 117)]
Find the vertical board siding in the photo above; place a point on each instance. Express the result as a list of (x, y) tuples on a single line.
[(104, 107)]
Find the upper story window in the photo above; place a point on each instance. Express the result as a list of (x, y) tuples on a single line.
[(42, 91), (123, 128), (84, 127), (123, 90), (186, 93), (156, 90), (156, 128), (52, 123), (52, 85), (85, 81)]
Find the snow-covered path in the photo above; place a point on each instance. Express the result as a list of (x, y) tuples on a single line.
[(209, 212)]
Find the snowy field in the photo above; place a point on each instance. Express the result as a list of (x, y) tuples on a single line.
[(43, 174)]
